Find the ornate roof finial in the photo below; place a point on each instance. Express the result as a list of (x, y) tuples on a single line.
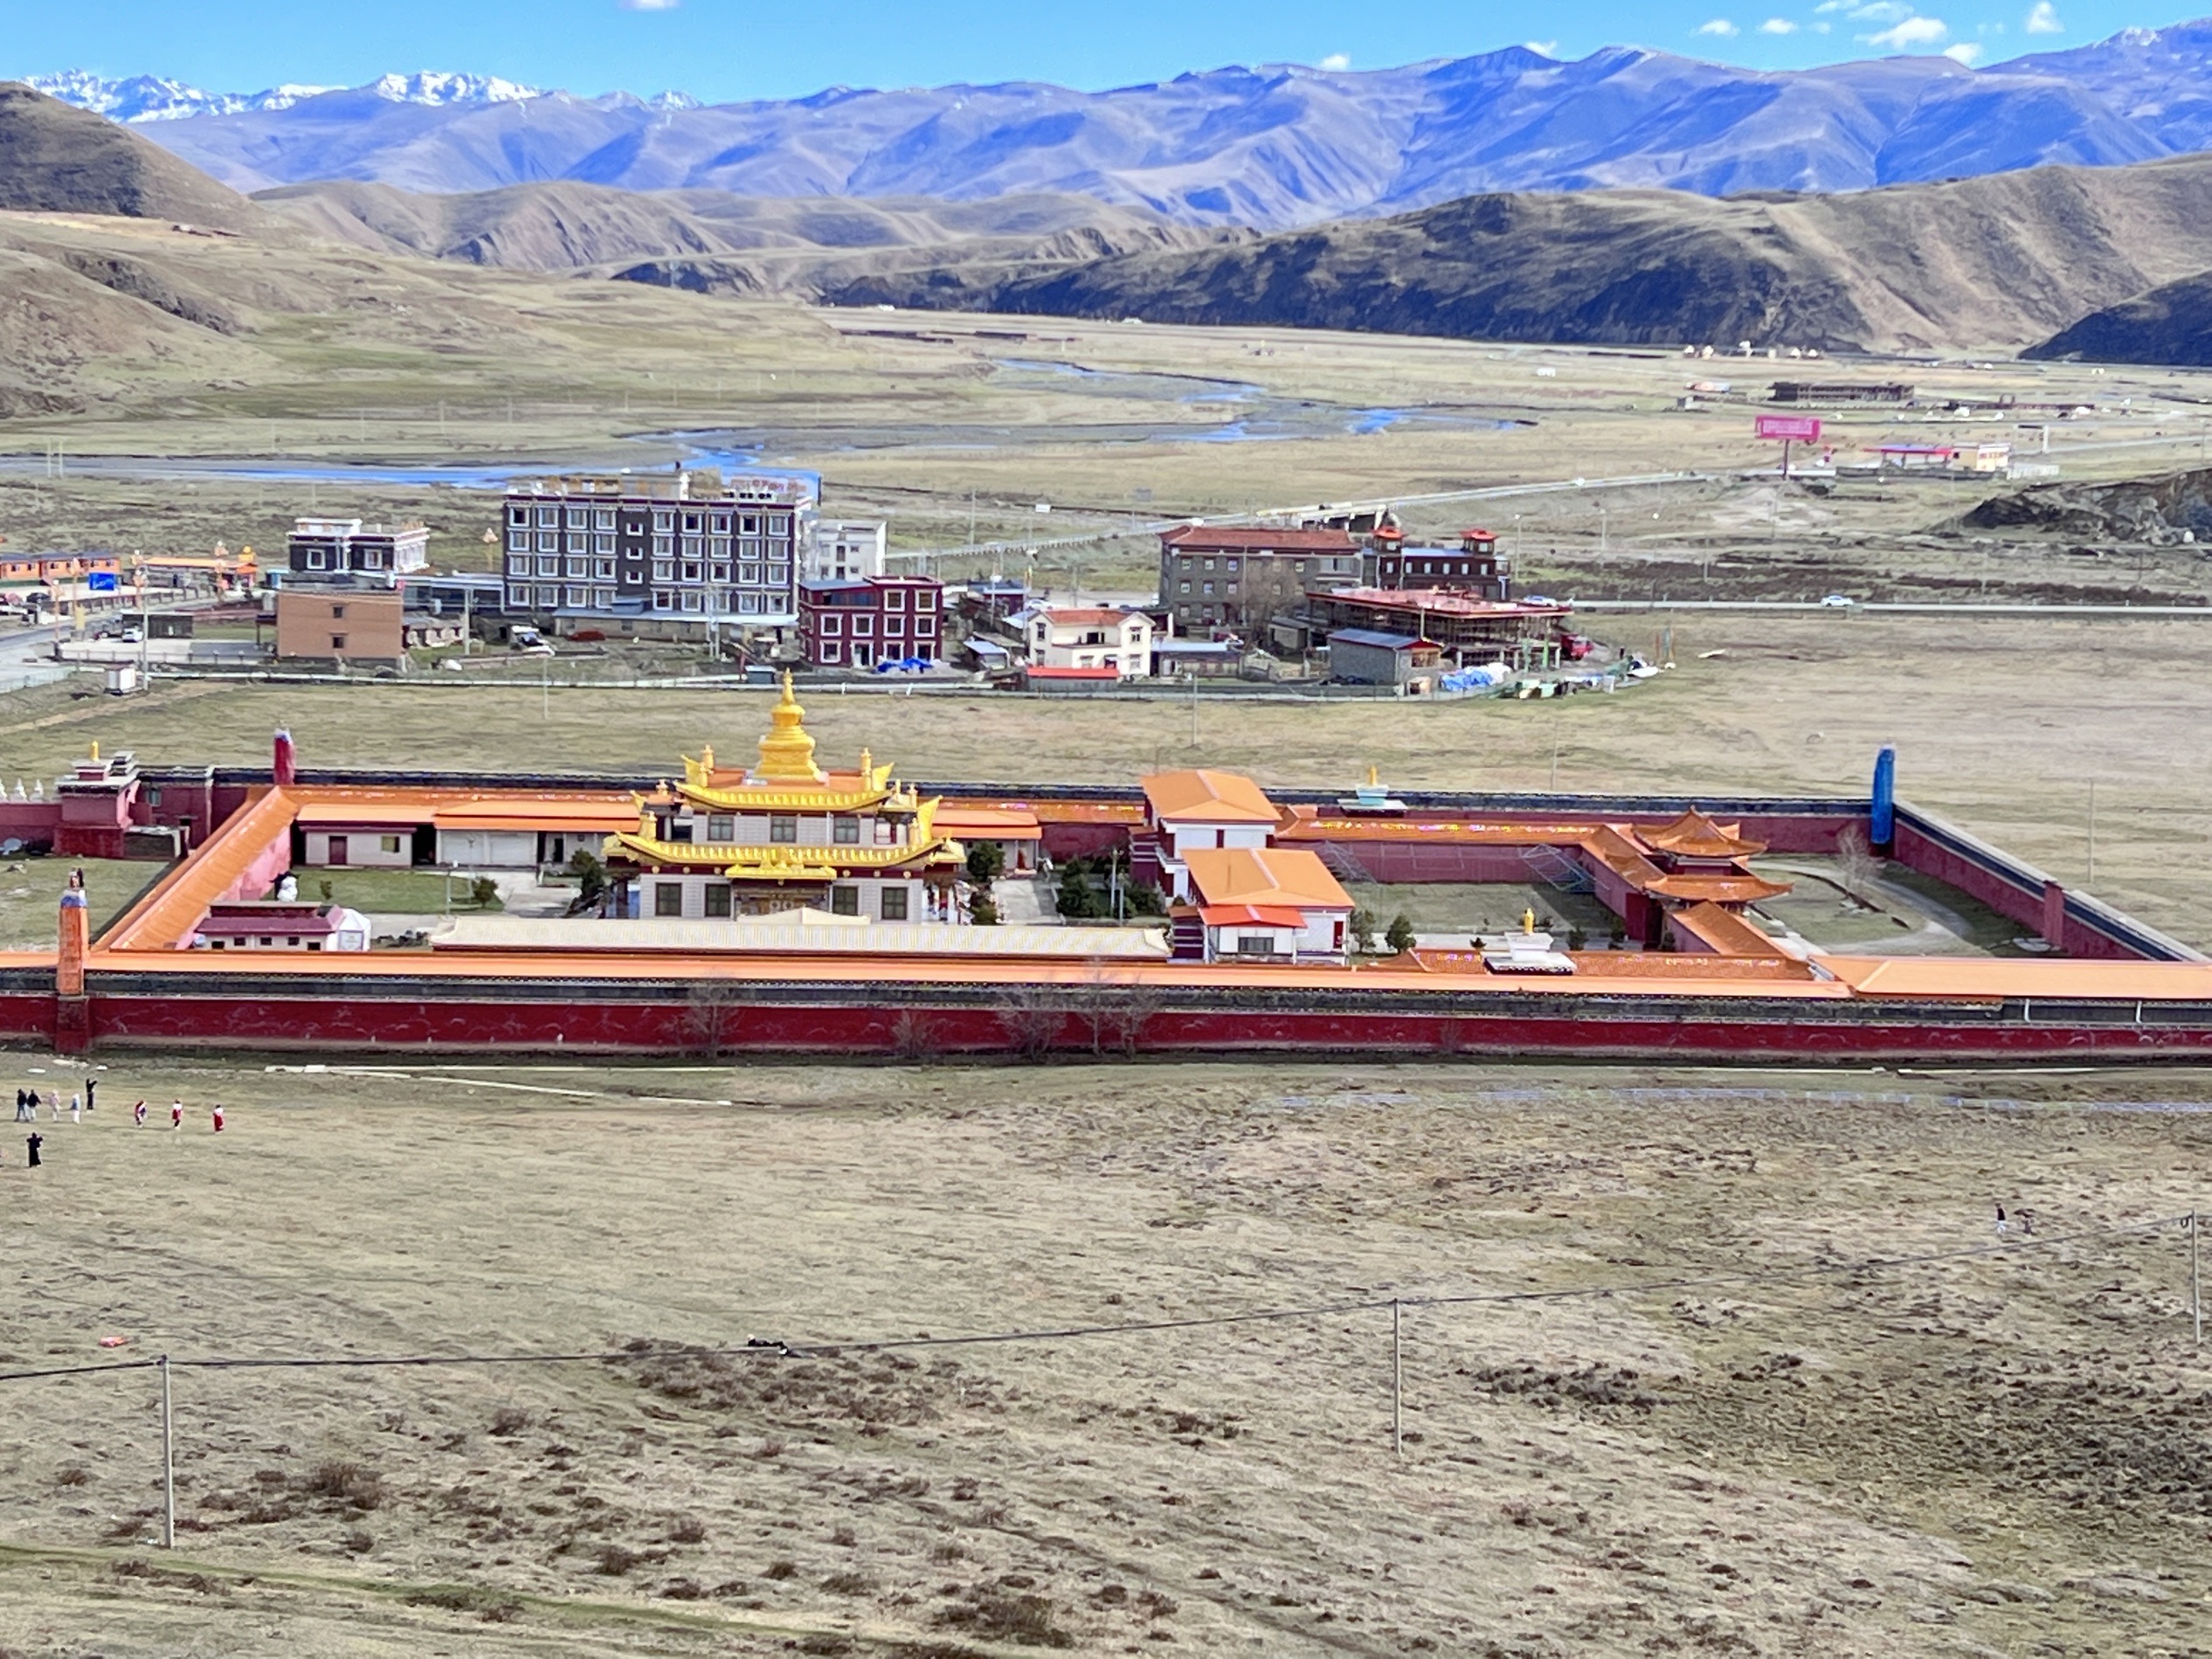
[(95, 754), (1528, 919), (786, 752)]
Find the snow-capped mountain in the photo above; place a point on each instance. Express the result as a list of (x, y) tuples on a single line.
[(150, 98), (143, 98), (1274, 146)]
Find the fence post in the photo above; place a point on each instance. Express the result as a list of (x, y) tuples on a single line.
[(168, 1466), (1397, 1377), (2196, 1279)]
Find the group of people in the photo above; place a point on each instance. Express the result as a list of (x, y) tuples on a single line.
[(27, 1100)]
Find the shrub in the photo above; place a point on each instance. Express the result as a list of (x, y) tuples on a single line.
[(345, 1483), (982, 910), (1400, 937), (1363, 931), (483, 892), (987, 863)]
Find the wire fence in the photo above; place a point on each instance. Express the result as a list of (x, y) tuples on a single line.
[(770, 1349)]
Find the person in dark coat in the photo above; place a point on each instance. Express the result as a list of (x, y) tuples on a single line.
[(34, 1142), (91, 1087)]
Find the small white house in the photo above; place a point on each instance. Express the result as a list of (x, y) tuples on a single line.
[(1121, 640)]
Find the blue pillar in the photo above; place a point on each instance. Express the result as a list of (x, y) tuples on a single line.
[(1882, 828)]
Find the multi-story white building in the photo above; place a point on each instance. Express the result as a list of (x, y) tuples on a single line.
[(615, 550), (844, 550), (1121, 640)]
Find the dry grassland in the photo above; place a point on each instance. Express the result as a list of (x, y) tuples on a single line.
[(2004, 1452)]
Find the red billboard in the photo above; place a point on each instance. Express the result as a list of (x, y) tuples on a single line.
[(1790, 429)]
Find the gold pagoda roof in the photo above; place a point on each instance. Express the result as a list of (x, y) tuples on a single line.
[(786, 777)]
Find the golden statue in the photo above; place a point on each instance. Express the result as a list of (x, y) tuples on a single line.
[(1528, 919)]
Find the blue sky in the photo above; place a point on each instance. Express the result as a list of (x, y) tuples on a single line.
[(732, 49)]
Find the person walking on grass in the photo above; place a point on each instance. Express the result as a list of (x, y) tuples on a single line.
[(138, 1114), (2001, 1220), (56, 1104), (34, 1141), (91, 1084), (176, 1114), (23, 1099), (33, 1117), (76, 1109), (216, 1114)]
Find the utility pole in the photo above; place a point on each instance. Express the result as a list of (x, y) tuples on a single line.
[(1397, 1377), (168, 1465), (2196, 1281), (2092, 830)]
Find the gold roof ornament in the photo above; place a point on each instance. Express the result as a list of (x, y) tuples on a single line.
[(786, 752)]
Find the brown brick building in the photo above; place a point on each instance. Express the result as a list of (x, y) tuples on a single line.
[(1237, 579), (341, 626)]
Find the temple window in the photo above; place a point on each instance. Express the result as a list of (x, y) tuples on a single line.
[(722, 830), (846, 832), (844, 900), (717, 897), (782, 828), (883, 832), (894, 904), (667, 898)]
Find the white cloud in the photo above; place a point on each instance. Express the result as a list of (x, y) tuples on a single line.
[(1827, 6), (1720, 26), (1335, 60), (648, 5), (1913, 32), (1778, 26), (1882, 11), (1820, 28), (1965, 52), (2043, 19)]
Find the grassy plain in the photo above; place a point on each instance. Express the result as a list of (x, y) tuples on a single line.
[(1999, 1453)]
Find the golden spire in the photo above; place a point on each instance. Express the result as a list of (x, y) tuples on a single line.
[(1374, 781), (95, 753), (1528, 921), (786, 752)]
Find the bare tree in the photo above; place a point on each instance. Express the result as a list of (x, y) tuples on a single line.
[(1855, 866), (1032, 1016), (914, 1035), (706, 1017)]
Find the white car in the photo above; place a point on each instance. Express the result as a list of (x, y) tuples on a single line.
[(1838, 602)]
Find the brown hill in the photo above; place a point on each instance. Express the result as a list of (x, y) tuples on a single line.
[(710, 240), (1989, 263), (57, 159)]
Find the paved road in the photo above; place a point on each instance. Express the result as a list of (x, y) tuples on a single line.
[(1962, 607)]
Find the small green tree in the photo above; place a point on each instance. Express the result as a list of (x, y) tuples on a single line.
[(329, 891), (1363, 931), (1400, 937), (982, 910), (590, 874), (483, 892), (986, 862), (1144, 899), (1077, 899)]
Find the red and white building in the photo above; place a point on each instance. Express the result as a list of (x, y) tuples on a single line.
[(860, 622), (1199, 811), (1266, 904), (1083, 637)]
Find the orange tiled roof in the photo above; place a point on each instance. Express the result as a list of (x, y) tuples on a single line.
[(1696, 835), (1717, 888), (1209, 798), (1274, 875)]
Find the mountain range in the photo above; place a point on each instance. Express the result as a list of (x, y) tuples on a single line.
[(1271, 147)]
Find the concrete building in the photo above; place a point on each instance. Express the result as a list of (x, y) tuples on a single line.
[(341, 628), (1366, 657), (859, 622), (1262, 904), (1238, 579), (1189, 812), (279, 924), (1474, 567), (1527, 634), (1089, 638), (665, 554), (327, 547), (843, 550)]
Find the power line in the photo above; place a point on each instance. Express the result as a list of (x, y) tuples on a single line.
[(764, 1348)]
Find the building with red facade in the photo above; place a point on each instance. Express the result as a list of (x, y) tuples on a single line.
[(862, 621)]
